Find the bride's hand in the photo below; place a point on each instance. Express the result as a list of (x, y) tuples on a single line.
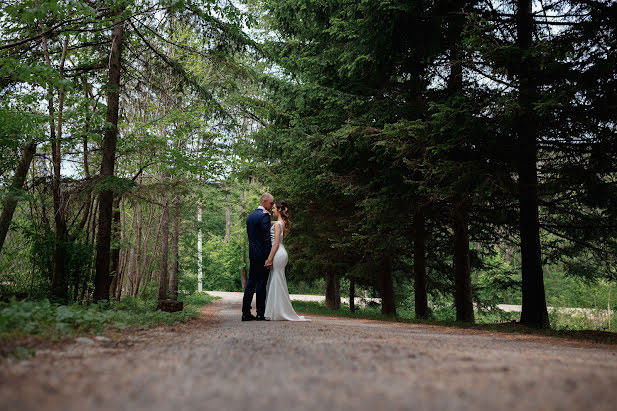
[(268, 263)]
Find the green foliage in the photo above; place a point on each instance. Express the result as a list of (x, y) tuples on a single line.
[(442, 312), (34, 280), (48, 320), (310, 287), (16, 127), (444, 315), (594, 320), (222, 264), (113, 183), (197, 299), (311, 307)]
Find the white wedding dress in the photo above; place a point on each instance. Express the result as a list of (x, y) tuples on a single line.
[(278, 303)]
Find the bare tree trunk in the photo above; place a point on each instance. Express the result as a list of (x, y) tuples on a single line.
[(419, 266), (117, 292), (507, 257), (227, 217), (243, 276), (149, 257), (199, 252), (86, 215), (131, 271), (91, 232), (352, 294), (163, 277), (388, 305), (91, 219), (10, 203), (462, 270), (59, 286), (103, 240), (124, 252), (175, 262), (115, 252), (59, 283), (333, 291), (141, 255), (534, 312)]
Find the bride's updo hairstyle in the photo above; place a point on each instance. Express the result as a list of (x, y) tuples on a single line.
[(283, 209)]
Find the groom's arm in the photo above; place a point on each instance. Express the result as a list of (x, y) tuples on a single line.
[(265, 228)]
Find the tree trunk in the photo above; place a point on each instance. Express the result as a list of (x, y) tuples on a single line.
[(419, 266), (91, 219), (507, 256), (115, 252), (139, 264), (59, 282), (388, 305), (199, 252), (462, 270), (227, 217), (163, 277), (333, 291), (131, 271), (149, 257), (132, 260), (534, 312), (103, 240), (90, 233), (175, 262), (125, 233), (88, 202), (10, 203), (59, 286), (352, 294), (242, 239)]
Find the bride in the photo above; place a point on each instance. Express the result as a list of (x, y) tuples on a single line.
[(278, 303)]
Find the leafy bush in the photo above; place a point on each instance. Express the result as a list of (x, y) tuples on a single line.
[(27, 271)]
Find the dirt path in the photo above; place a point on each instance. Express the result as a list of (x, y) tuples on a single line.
[(220, 363)]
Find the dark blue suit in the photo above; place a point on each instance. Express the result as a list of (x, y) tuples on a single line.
[(260, 244)]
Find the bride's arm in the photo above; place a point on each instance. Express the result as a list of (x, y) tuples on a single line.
[(275, 245)]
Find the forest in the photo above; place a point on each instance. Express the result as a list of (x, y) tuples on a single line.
[(444, 157)]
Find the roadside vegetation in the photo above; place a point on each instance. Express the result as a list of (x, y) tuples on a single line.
[(47, 320), (570, 327)]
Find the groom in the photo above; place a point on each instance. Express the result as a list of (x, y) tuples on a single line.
[(258, 229)]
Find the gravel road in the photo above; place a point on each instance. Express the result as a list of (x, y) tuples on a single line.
[(220, 363)]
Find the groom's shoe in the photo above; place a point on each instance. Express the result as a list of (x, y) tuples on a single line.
[(261, 318), (248, 317)]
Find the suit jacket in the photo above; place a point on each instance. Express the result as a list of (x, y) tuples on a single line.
[(258, 229)]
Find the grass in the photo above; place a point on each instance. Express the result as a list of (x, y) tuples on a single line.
[(46, 320), (374, 313)]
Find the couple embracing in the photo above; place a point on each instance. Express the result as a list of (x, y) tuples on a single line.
[(268, 259)]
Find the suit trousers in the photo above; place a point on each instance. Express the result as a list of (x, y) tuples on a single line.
[(258, 278)]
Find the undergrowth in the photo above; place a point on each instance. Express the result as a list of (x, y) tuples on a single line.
[(485, 321), (48, 320)]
